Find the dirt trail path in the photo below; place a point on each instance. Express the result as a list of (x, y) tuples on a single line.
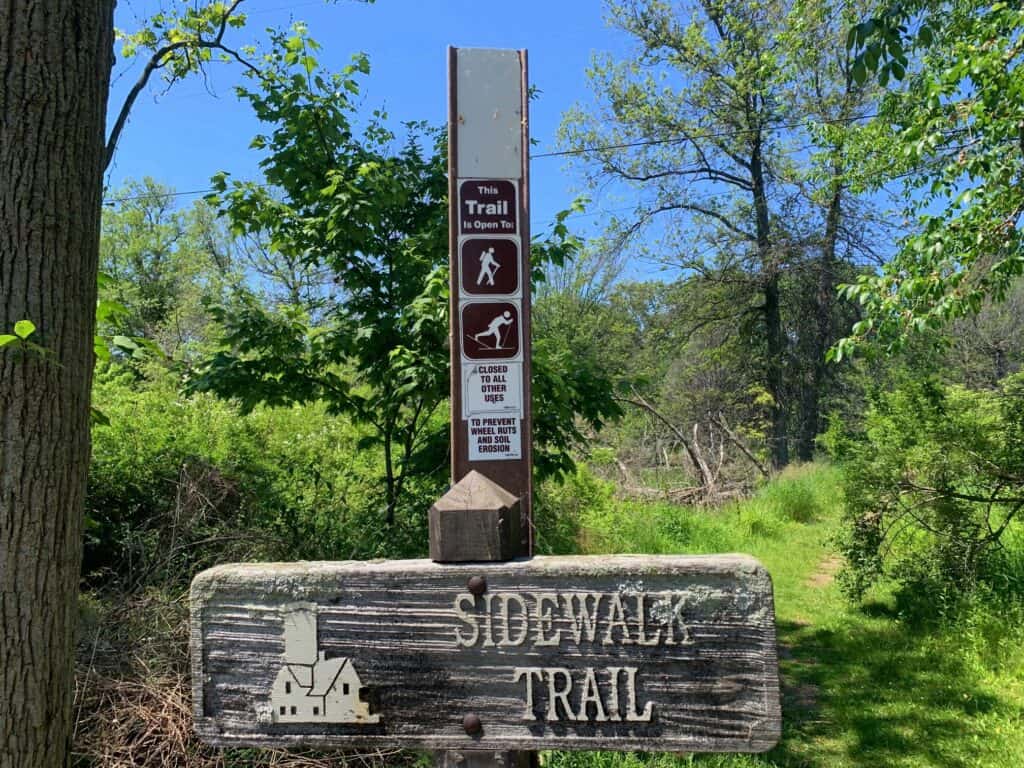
[(825, 573)]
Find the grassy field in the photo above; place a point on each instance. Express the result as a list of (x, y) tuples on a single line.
[(862, 685)]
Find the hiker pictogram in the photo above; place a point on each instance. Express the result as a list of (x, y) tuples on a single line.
[(490, 330), (489, 266)]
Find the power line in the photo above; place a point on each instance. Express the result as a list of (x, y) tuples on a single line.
[(567, 152), (694, 136)]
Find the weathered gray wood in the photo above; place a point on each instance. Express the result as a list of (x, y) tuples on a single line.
[(702, 649), (477, 520)]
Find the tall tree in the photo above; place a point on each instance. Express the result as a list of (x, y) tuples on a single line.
[(55, 63), (710, 122), (694, 111)]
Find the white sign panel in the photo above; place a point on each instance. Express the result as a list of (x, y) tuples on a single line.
[(493, 388), (490, 105), (493, 438)]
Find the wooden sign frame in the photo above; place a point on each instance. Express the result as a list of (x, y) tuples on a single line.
[(628, 652)]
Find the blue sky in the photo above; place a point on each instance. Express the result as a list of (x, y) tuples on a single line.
[(184, 135)]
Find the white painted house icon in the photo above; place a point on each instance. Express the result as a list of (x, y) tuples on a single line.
[(311, 688)]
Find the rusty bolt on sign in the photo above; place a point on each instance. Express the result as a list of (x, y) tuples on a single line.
[(472, 724), (476, 585)]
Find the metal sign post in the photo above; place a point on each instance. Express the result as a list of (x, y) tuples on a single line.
[(488, 167)]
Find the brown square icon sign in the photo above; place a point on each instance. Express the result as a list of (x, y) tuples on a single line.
[(490, 330), (489, 266)]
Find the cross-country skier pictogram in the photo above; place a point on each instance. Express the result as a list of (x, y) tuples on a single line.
[(489, 267), (494, 329)]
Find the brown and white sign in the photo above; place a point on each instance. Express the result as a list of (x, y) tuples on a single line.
[(488, 206), (490, 330), (489, 266), (613, 652)]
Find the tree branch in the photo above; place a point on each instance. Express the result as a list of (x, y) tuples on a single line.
[(638, 401), (159, 60)]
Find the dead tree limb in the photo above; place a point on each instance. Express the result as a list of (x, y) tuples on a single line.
[(719, 422), (638, 400)]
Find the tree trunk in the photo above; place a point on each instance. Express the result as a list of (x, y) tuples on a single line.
[(55, 62), (810, 420), (774, 372), (774, 338)]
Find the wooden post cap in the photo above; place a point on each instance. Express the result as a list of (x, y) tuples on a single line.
[(477, 520)]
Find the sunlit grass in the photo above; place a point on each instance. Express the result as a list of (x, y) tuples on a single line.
[(862, 686)]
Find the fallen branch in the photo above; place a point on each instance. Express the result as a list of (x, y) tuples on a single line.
[(638, 401)]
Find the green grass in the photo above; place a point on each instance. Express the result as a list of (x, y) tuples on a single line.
[(862, 686)]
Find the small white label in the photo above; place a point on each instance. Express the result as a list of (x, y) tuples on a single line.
[(492, 388), (494, 438)]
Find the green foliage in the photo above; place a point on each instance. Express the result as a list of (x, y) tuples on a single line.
[(22, 330), (371, 209), (374, 215), (180, 483), (957, 121), (862, 686), (934, 481), (731, 122), (182, 39), (158, 267)]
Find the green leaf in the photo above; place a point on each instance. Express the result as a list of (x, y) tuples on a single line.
[(860, 72), (98, 417), (6, 338), (125, 342), (851, 38), (24, 328), (100, 348)]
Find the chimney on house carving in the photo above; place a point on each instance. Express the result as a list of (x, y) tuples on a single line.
[(300, 633)]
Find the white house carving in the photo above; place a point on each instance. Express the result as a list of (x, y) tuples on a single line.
[(311, 688)]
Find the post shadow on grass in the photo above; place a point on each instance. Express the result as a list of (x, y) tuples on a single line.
[(878, 684)]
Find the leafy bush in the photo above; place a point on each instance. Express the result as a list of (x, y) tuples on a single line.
[(933, 484), (179, 483)]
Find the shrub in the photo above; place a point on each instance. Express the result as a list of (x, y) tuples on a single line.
[(179, 483), (934, 480)]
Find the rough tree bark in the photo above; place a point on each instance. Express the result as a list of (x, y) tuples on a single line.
[(772, 308), (55, 63)]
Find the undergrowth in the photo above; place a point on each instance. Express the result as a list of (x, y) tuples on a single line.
[(887, 681)]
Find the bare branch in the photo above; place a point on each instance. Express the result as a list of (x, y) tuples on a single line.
[(640, 402)]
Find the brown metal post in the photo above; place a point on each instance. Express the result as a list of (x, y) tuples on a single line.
[(480, 305), (470, 523)]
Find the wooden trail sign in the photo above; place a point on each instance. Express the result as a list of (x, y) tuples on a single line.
[(621, 652), (488, 178)]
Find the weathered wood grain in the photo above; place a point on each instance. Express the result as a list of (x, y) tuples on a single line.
[(475, 521), (710, 676)]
